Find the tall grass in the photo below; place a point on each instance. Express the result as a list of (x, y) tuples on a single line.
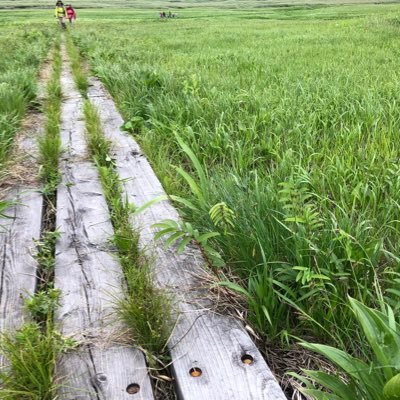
[(21, 54), (297, 133)]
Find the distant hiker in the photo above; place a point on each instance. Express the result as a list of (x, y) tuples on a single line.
[(161, 14), (60, 13), (169, 14), (164, 14), (71, 14)]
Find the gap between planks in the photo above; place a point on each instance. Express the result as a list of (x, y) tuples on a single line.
[(88, 273)]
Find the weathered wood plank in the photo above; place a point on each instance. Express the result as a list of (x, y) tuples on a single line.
[(203, 340), (88, 274), (19, 232), (98, 366), (17, 248)]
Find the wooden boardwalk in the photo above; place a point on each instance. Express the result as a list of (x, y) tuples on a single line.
[(88, 274), (213, 357)]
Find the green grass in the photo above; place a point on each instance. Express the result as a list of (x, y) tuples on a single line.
[(145, 309), (294, 116), (22, 52), (179, 4), (32, 353), (76, 66), (50, 142)]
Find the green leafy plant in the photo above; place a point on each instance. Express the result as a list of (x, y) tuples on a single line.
[(198, 188), (375, 378), (184, 231), (222, 216), (134, 125), (43, 304)]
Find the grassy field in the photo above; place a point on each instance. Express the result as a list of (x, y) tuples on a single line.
[(292, 118), (181, 4), (22, 49)]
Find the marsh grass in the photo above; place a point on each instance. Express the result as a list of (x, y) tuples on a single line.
[(296, 131), (22, 52)]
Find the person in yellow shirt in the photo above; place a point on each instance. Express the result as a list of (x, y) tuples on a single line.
[(60, 13)]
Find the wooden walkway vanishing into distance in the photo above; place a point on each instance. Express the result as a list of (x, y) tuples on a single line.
[(89, 276)]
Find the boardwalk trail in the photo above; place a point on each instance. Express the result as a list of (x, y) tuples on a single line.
[(90, 278)]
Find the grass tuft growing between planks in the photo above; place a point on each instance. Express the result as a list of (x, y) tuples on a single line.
[(145, 309), (50, 143), (31, 353), (76, 66)]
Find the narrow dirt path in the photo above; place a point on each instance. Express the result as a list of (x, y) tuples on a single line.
[(88, 274)]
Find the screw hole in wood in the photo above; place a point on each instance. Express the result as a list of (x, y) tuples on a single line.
[(133, 388), (195, 372), (247, 359)]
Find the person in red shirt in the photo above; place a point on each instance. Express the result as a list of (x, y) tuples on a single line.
[(71, 14)]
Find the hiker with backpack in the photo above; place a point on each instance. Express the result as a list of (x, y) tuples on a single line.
[(71, 14), (60, 13)]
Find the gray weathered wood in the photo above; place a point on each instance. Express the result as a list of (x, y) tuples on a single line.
[(17, 248), (19, 232), (202, 339), (99, 367), (88, 274)]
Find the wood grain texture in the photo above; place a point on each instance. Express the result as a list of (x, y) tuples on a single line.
[(18, 266), (101, 369), (18, 233), (88, 274), (202, 339), (17, 248)]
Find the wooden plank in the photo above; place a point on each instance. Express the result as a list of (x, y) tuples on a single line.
[(19, 232), (213, 343), (17, 248), (88, 274), (98, 366)]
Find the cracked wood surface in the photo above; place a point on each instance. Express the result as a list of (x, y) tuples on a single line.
[(88, 274), (17, 248), (201, 339), (22, 228)]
